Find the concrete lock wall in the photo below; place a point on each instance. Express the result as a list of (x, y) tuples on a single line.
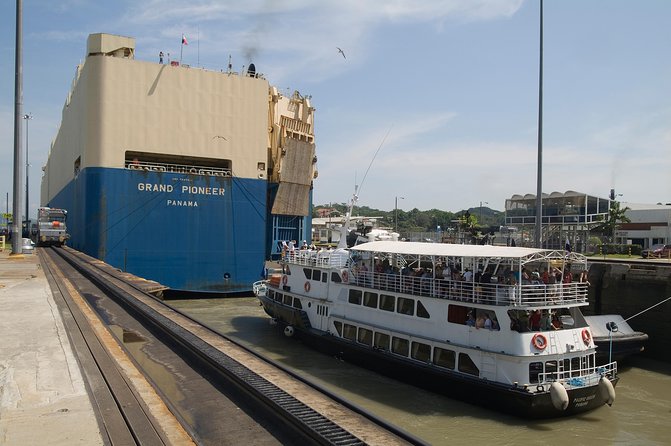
[(628, 289)]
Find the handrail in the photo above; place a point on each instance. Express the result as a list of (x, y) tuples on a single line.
[(588, 376), (532, 295)]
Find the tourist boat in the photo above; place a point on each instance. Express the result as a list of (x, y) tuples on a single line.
[(417, 312), (614, 338)]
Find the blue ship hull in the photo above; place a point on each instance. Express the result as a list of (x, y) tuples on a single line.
[(187, 232)]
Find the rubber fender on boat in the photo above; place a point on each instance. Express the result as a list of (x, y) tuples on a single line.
[(559, 396), (288, 331), (607, 390), (273, 321)]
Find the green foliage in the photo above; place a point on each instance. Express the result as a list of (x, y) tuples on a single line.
[(425, 221), (616, 215)]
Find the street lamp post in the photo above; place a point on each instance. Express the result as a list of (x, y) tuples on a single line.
[(480, 216), (396, 213), (27, 117)]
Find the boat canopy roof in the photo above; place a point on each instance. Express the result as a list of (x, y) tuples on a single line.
[(521, 255)]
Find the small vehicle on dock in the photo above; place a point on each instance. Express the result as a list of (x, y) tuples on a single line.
[(51, 227)]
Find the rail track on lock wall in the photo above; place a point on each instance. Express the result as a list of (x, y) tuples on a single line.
[(218, 391)]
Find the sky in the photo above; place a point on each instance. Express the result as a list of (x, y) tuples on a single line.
[(435, 104)]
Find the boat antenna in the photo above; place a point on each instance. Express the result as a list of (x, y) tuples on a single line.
[(342, 243)]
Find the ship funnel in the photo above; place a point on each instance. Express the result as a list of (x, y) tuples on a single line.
[(251, 71)]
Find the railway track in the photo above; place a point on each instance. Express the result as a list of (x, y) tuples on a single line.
[(201, 380)]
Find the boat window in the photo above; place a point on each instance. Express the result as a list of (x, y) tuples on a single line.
[(297, 303), (466, 365), (575, 366), (519, 320), (324, 277), (382, 341), (422, 311), (278, 297), (400, 346), (387, 302), (421, 352), (535, 369), (271, 294), (355, 297), (335, 277), (338, 327), (316, 274), (308, 273), (287, 299), (444, 358), (551, 367), (370, 299), (457, 314), (349, 332), (405, 306), (365, 336)]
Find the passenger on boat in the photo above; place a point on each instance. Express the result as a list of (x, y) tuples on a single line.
[(556, 322), (488, 322), (535, 320), (471, 320), (583, 277), (546, 321)]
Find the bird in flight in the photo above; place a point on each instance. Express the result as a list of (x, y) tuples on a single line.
[(341, 52), (218, 136)]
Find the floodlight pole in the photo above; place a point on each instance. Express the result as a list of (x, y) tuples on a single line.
[(18, 153), (539, 180)]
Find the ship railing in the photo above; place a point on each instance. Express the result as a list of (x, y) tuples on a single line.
[(583, 377), (148, 166), (321, 258), (525, 295)]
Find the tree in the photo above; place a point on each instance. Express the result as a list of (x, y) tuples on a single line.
[(616, 215)]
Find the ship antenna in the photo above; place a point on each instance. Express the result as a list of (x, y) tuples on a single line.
[(342, 243)]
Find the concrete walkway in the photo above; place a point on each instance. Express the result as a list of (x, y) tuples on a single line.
[(43, 399)]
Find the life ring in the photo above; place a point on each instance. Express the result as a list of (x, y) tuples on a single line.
[(539, 341), (345, 276), (284, 280), (306, 287), (586, 337)]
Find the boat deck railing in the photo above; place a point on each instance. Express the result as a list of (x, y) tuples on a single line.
[(583, 377), (520, 295), (322, 258)]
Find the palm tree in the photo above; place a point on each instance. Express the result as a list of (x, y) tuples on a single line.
[(616, 215)]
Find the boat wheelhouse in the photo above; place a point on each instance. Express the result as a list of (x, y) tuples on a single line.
[(486, 324)]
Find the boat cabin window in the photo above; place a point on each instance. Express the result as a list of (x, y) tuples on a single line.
[(421, 352), (279, 296), (370, 299), (335, 277), (444, 358), (405, 306), (365, 336), (535, 369), (316, 274), (271, 294), (382, 341), (466, 365), (297, 303), (324, 277), (400, 346), (387, 302), (338, 327), (355, 297), (422, 311), (349, 332), (288, 299)]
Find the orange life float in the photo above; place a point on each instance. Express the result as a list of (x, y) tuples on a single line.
[(586, 337), (539, 341), (307, 287)]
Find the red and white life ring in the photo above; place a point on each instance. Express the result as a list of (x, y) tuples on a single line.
[(284, 279), (345, 276), (586, 337), (307, 287), (539, 341)]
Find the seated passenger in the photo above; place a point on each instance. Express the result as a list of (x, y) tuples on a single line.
[(470, 321), (488, 322)]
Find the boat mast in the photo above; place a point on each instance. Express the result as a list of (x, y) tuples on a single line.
[(539, 180)]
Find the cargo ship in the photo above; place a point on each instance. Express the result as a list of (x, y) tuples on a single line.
[(182, 175)]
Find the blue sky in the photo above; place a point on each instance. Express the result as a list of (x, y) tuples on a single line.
[(452, 83)]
